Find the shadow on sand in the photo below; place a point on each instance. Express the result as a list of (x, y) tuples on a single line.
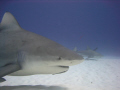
[(28, 87)]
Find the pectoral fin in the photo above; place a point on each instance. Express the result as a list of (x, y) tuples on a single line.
[(7, 69), (12, 67), (2, 80)]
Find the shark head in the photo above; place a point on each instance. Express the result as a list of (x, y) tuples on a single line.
[(35, 53), (53, 60)]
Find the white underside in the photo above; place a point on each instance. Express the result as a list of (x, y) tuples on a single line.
[(40, 70), (34, 65)]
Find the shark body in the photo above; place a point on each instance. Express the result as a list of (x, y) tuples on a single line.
[(25, 53), (89, 54)]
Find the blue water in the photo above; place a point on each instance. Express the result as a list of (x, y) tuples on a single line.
[(72, 23)]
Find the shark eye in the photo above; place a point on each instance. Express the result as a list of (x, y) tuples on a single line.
[(59, 58)]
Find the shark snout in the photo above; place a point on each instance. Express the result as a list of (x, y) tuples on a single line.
[(70, 62), (72, 59), (74, 62), (76, 59)]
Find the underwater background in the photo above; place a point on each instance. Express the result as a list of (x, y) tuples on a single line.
[(72, 23)]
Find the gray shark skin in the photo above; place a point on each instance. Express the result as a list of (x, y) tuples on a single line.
[(26, 53), (89, 54)]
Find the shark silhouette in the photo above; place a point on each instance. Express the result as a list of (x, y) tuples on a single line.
[(25, 53), (89, 54)]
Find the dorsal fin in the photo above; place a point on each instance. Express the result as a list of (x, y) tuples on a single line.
[(9, 21), (88, 48), (75, 49)]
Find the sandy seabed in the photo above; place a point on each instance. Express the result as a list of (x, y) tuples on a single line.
[(103, 74)]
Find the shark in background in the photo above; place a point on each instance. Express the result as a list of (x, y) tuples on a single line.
[(89, 54), (25, 53)]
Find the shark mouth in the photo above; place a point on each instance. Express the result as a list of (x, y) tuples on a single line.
[(64, 66), (61, 72)]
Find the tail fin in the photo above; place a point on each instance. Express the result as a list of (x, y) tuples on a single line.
[(95, 49)]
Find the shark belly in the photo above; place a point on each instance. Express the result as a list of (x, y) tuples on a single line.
[(34, 65), (40, 70)]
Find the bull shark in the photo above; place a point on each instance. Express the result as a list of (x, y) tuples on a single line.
[(89, 54), (25, 53)]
